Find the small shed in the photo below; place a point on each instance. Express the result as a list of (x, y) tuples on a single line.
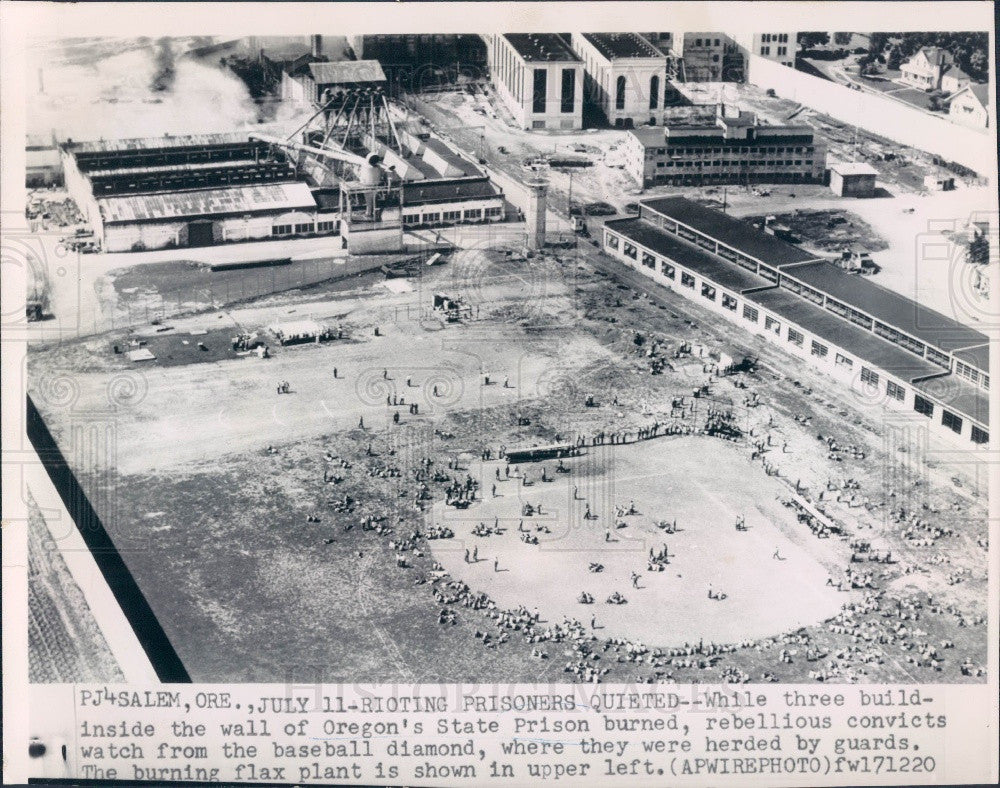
[(853, 179)]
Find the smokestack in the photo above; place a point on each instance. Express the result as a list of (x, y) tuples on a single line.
[(41, 81), (317, 45)]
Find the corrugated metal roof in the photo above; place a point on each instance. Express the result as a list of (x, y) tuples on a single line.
[(207, 202), (155, 143), (345, 72), (732, 232), (422, 192), (886, 305)]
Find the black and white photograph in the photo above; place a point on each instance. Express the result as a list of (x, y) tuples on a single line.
[(508, 356)]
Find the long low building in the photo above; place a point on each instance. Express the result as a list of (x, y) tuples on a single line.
[(198, 190), (917, 362)]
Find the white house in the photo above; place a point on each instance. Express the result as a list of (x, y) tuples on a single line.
[(933, 68), (970, 106)]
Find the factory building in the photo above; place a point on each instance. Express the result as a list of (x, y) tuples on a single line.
[(415, 62), (625, 76), (539, 78), (197, 190), (310, 80), (922, 366), (735, 148), (189, 190)]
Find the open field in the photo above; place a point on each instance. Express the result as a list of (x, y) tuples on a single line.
[(267, 530)]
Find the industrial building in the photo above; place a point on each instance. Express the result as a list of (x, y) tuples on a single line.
[(736, 148), (190, 190), (852, 179), (416, 61), (708, 57), (352, 170), (777, 46), (886, 347), (625, 76), (539, 78)]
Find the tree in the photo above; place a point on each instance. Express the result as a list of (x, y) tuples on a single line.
[(810, 40), (842, 39), (978, 251), (895, 59)]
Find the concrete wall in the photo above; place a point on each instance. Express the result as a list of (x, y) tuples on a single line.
[(848, 375), (886, 117)]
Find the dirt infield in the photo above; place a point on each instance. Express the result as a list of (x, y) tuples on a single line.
[(702, 483)]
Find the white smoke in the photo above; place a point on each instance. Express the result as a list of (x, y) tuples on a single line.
[(112, 97)]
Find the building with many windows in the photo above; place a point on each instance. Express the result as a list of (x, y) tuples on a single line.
[(779, 47), (708, 57), (539, 78), (735, 148), (625, 76), (921, 365)]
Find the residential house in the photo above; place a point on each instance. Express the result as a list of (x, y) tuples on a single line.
[(970, 106)]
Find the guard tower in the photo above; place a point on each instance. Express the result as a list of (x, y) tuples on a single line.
[(537, 187)]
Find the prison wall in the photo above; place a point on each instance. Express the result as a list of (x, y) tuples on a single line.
[(878, 114)]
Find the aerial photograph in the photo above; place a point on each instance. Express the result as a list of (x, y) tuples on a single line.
[(510, 357)]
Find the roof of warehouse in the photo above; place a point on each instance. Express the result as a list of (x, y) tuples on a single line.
[(726, 274), (417, 192), (542, 46), (347, 72), (837, 331), (958, 395), (732, 232), (228, 164), (978, 356), (207, 202), (153, 143), (613, 45), (452, 158), (887, 306)]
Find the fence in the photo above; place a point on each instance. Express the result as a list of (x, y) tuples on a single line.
[(880, 115)]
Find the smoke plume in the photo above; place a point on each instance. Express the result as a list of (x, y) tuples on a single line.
[(166, 71)]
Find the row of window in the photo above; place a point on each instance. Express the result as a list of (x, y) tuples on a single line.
[(325, 226), (717, 151), (777, 38), (468, 215), (795, 337), (972, 374), (766, 51), (729, 163)]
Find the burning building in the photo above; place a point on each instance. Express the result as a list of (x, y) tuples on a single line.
[(356, 168)]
